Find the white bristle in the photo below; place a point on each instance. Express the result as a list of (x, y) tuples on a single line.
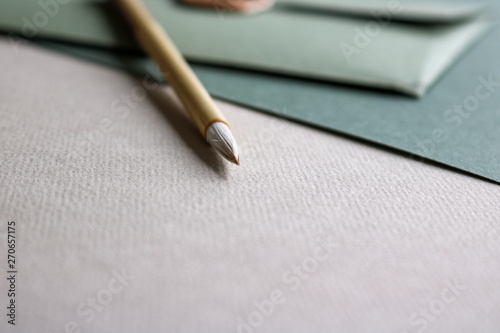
[(220, 137)]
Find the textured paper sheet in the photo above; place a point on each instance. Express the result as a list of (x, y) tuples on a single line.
[(196, 243), (372, 52)]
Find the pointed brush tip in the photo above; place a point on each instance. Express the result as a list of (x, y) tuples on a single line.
[(234, 159), (220, 137)]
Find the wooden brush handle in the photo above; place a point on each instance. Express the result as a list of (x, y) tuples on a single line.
[(179, 75)]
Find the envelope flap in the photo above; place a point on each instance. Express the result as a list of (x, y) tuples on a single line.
[(424, 11)]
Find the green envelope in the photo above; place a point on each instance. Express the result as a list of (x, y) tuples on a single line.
[(294, 38)]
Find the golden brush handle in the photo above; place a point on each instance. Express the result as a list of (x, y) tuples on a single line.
[(179, 75)]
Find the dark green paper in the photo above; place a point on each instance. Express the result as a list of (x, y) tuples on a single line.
[(426, 127)]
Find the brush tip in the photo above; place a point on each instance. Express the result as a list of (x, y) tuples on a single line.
[(220, 137)]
